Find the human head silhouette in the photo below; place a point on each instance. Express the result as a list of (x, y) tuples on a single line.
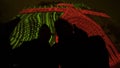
[(63, 28), (44, 33), (80, 34)]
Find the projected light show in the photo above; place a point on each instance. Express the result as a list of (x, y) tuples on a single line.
[(29, 37)]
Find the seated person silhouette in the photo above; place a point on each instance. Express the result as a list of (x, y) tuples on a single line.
[(36, 53), (76, 50)]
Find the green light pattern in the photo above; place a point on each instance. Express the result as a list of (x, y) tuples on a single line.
[(28, 28)]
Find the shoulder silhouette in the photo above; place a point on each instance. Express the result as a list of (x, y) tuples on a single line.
[(83, 51), (36, 53)]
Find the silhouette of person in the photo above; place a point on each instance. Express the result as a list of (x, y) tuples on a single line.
[(5, 48), (64, 48), (36, 53), (75, 49), (98, 54), (93, 50)]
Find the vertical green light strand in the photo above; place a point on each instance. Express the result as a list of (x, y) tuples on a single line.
[(32, 22), (39, 23), (25, 23), (13, 36), (21, 31), (52, 28), (48, 22), (35, 25), (17, 36)]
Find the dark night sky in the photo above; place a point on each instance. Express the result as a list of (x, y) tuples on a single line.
[(10, 8)]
